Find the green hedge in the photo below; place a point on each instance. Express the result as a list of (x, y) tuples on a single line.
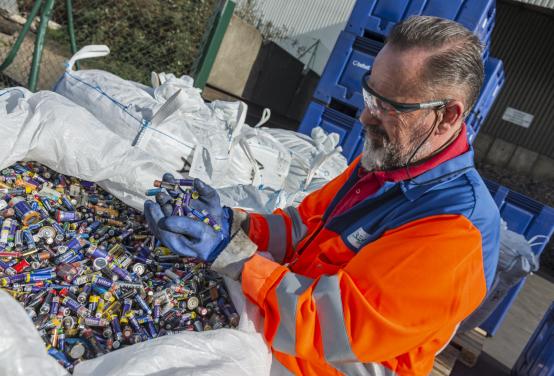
[(143, 35)]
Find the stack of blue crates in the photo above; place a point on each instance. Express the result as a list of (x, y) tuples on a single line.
[(537, 358), (529, 218), (338, 101)]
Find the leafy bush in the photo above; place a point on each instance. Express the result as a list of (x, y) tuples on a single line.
[(143, 35)]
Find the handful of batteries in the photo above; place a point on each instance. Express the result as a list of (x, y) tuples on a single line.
[(89, 273)]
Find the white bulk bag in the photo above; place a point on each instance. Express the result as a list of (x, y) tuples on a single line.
[(168, 121)]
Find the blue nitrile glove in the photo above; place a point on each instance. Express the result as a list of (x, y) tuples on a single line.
[(195, 238), (186, 236)]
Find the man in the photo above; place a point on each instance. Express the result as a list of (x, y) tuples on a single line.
[(371, 274)]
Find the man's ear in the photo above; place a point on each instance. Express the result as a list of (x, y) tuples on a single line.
[(451, 116)]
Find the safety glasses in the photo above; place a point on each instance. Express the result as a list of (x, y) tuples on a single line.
[(378, 103)]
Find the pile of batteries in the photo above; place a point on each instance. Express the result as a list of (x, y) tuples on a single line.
[(88, 272)]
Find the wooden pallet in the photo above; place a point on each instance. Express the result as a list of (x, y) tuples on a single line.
[(465, 347), (470, 345), (444, 362)]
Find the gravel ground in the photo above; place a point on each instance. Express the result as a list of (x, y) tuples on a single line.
[(542, 191)]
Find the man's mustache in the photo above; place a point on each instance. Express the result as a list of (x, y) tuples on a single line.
[(375, 131)]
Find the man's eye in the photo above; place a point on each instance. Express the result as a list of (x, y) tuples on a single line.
[(386, 107)]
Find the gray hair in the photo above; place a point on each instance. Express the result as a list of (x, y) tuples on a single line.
[(456, 52)]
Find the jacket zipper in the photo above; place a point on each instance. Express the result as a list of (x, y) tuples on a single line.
[(306, 243)]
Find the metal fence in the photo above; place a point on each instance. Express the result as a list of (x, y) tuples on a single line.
[(143, 36)]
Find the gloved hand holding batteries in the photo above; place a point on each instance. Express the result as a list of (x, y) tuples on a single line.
[(187, 217)]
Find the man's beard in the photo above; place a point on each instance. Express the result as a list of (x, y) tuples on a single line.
[(386, 155)]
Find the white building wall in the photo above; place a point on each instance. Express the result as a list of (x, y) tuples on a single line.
[(308, 21)]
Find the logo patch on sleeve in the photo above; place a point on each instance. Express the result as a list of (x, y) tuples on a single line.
[(358, 237)]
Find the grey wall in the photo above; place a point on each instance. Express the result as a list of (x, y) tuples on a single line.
[(236, 56), (274, 78), (522, 38)]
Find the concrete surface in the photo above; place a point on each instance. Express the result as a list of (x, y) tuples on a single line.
[(501, 351), (500, 152), (543, 168), (236, 56), (10, 6), (481, 145), (523, 160), (522, 319), (52, 63), (486, 366)]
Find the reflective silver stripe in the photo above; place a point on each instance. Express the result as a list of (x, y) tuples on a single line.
[(299, 229), (336, 344), (289, 289), (277, 244), (364, 369)]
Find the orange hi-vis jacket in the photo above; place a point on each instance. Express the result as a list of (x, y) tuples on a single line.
[(381, 288)]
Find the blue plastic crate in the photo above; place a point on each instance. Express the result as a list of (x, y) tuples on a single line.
[(379, 16), (487, 41), (537, 358), (348, 128), (486, 52), (493, 83), (471, 134), (524, 216), (351, 58)]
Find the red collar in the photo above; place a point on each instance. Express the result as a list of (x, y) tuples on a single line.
[(459, 146)]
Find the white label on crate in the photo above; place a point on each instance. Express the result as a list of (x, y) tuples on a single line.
[(359, 64), (517, 117)]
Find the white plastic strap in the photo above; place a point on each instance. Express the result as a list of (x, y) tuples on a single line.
[(172, 105), (87, 52), (243, 142), (266, 115), (533, 241), (155, 80), (318, 162), (241, 118), (244, 145)]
